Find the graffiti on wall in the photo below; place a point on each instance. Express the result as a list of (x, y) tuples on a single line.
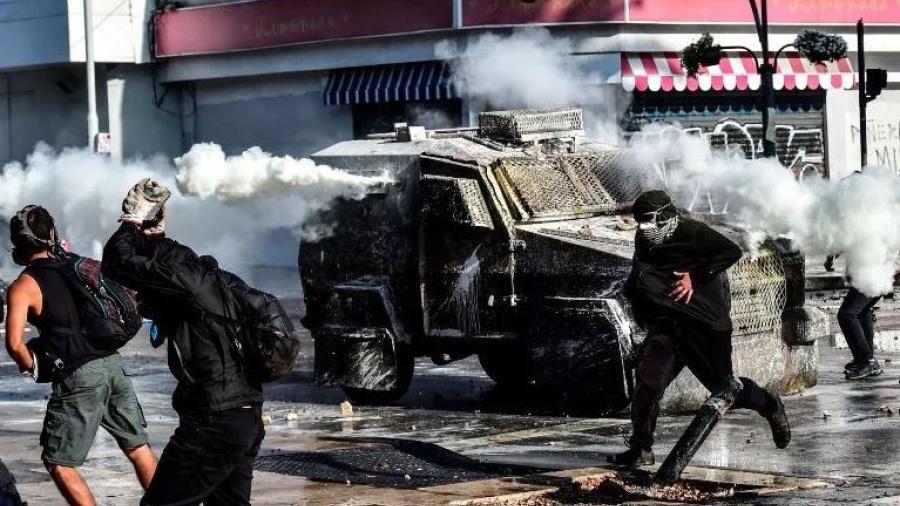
[(883, 134), (801, 150)]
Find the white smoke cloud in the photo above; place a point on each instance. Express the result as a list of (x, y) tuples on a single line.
[(855, 216), (531, 68), (527, 68), (255, 208), (205, 172)]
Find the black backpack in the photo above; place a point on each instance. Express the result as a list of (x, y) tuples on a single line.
[(107, 310), (261, 331)]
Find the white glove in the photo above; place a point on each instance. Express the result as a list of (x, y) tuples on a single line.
[(156, 226), (145, 202)]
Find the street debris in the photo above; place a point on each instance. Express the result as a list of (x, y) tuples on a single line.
[(615, 489), (292, 416), (887, 409), (267, 420), (346, 408)]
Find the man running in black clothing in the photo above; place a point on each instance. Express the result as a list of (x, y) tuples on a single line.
[(679, 292)]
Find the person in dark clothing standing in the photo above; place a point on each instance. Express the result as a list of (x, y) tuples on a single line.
[(679, 293), (856, 318), (91, 389), (210, 457)]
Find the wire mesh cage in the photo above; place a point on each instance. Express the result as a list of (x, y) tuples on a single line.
[(568, 184), (530, 124), (758, 293)]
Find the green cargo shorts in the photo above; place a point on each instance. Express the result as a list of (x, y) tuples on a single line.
[(96, 394)]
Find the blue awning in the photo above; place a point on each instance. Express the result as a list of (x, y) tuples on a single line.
[(405, 82)]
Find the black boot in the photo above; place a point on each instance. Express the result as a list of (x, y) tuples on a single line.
[(778, 422), (632, 457)]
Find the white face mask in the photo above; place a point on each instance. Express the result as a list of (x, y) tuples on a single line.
[(657, 233)]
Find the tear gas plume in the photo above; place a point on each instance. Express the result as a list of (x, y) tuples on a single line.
[(246, 210), (531, 68), (855, 216), (205, 172)]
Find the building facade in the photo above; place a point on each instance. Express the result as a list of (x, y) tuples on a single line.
[(294, 77)]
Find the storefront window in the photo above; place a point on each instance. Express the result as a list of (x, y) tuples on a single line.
[(731, 121)]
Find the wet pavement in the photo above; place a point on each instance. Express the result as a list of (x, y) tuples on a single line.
[(454, 436)]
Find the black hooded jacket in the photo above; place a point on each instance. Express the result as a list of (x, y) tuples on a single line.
[(694, 248), (178, 286)]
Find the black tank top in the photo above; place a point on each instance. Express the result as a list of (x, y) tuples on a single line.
[(58, 322)]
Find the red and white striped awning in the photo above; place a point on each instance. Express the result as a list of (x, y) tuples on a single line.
[(735, 71)]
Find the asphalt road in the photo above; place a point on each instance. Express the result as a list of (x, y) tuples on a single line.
[(455, 429)]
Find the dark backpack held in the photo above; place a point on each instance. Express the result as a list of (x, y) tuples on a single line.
[(267, 340)]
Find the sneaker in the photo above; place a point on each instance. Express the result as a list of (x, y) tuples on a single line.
[(632, 457), (870, 369), (778, 422), (849, 365)]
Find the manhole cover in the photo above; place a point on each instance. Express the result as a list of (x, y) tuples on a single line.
[(399, 464)]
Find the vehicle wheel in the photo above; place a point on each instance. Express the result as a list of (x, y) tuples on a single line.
[(365, 397), (509, 366)]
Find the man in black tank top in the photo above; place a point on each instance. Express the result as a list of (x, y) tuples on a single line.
[(91, 389)]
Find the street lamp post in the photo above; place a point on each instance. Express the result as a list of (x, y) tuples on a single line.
[(767, 71), (93, 123), (813, 45)]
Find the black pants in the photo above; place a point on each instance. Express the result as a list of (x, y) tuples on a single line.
[(670, 346), (209, 459), (857, 320)]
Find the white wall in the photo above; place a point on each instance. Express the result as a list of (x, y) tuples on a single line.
[(883, 125), (45, 32), (282, 114), (119, 30), (49, 106), (44, 105), (137, 127)]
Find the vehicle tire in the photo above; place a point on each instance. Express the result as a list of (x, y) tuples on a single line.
[(366, 397), (508, 366)]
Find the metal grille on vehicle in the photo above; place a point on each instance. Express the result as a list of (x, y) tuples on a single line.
[(758, 293), (531, 124), (557, 186)]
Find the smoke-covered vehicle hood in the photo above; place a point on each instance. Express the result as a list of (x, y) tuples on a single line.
[(612, 235)]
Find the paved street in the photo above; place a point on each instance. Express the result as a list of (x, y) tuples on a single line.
[(454, 436)]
